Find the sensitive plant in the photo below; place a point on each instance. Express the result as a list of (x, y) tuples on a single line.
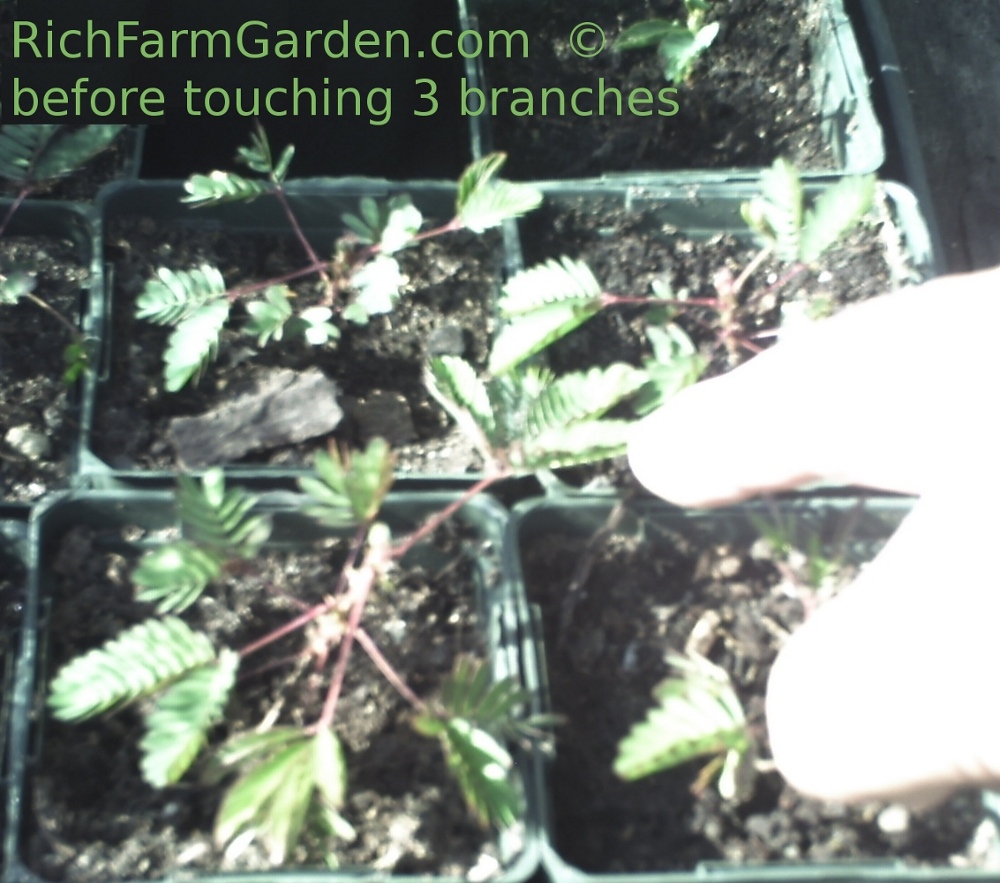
[(678, 44), (280, 780), (362, 277)]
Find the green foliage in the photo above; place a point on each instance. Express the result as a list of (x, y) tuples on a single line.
[(544, 303), (219, 526), (349, 489), (390, 225), (140, 661), (697, 714), (531, 420), (257, 156), (471, 705), (35, 155), (676, 363), (484, 201), (284, 772), (218, 187), (795, 232), (377, 285), (678, 44), (176, 728)]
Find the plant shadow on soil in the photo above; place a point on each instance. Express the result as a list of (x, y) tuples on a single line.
[(89, 815), (661, 590)]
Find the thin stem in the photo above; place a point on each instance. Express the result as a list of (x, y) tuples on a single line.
[(741, 280), (453, 225), (613, 300), (14, 206), (384, 666), (73, 330), (316, 610), (235, 293), (364, 579), (438, 518), (300, 235)]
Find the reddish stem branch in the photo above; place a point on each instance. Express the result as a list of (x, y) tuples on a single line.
[(384, 666), (235, 294), (438, 518), (25, 191)]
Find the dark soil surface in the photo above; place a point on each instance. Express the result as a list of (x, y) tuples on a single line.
[(447, 307), (606, 642), (748, 100), (90, 817), (630, 251), (38, 417)]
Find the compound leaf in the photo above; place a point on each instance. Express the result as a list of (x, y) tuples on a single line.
[(176, 728), (218, 187), (482, 767), (268, 316), (695, 715), (140, 661), (193, 344), (584, 442), (175, 575), (349, 489), (645, 33), (220, 519), (484, 202), (582, 395), (173, 296), (377, 284), (777, 212), (838, 208), (31, 155)]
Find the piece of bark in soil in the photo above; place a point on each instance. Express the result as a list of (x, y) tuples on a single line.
[(285, 408)]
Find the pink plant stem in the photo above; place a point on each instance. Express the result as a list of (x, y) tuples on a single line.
[(279, 192), (453, 225), (235, 294), (614, 300), (438, 518), (316, 610), (365, 577), (383, 665), (25, 191)]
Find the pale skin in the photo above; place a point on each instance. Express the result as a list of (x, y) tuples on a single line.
[(889, 690)]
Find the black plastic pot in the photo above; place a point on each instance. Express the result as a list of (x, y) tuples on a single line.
[(847, 119), (586, 823), (13, 589), (318, 204), (77, 225), (115, 516)]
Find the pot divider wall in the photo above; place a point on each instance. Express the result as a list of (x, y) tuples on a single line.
[(125, 522), (598, 658), (846, 119)]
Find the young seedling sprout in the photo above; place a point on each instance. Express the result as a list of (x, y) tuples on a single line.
[(678, 44)]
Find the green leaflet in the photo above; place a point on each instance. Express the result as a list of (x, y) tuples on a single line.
[(173, 296), (780, 215), (482, 766), (284, 769), (544, 303), (219, 525), (349, 489), (218, 187), (31, 155), (695, 715), (484, 202), (176, 728), (193, 344), (175, 575), (139, 661)]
